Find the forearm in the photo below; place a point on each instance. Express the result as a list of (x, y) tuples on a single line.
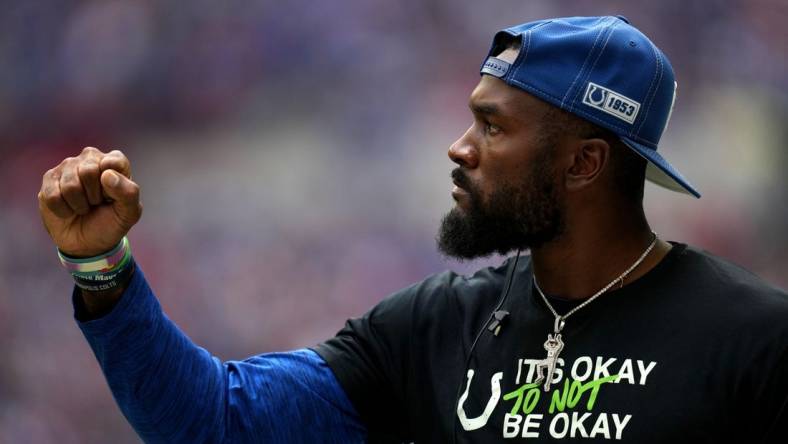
[(169, 389), (95, 304), (172, 391)]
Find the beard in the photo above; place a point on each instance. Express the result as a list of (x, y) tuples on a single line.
[(516, 215)]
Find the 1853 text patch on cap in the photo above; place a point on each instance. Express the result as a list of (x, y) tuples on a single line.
[(611, 102)]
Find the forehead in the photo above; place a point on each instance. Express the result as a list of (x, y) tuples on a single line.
[(511, 102)]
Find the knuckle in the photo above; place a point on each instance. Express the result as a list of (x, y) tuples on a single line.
[(115, 159), (49, 190), (66, 164), (117, 153), (89, 168), (51, 199), (70, 187), (90, 150), (69, 179), (90, 162), (134, 191), (47, 193)]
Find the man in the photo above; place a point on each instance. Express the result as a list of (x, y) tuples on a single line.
[(605, 332)]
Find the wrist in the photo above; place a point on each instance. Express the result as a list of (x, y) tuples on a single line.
[(90, 305), (101, 273)]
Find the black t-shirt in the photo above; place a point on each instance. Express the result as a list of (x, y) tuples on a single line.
[(696, 350)]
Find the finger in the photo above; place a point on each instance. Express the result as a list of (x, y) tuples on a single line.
[(91, 152), (89, 176), (49, 197), (71, 189), (126, 196), (116, 160)]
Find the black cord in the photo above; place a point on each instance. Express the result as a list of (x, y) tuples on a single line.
[(504, 294)]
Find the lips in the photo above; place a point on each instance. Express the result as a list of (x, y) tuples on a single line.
[(459, 179), (459, 191)]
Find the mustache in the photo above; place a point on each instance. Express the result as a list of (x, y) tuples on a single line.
[(462, 180)]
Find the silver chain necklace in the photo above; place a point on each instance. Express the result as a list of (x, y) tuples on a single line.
[(554, 344)]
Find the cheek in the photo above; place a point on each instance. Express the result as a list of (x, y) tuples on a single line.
[(514, 161), (497, 186), (508, 160), (506, 172)]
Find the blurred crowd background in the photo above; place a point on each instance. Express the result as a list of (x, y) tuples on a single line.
[(292, 157)]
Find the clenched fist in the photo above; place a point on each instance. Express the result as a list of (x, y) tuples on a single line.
[(89, 202)]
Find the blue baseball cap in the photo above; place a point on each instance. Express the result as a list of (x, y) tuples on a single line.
[(601, 69)]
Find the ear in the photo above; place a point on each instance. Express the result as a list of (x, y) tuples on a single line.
[(588, 160)]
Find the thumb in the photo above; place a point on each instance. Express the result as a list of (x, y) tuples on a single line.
[(126, 196)]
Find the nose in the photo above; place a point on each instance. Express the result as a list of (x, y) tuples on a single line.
[(463, 152)]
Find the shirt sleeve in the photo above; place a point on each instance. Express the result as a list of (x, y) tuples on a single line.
[(172, 391), (373, 356), (405, 357), (370, 356)]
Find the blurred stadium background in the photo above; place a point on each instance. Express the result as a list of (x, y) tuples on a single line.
[(292, 157)]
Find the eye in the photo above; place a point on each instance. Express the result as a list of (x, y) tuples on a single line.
[(490, 129)]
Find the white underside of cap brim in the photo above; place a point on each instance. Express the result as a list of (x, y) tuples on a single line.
[(660, 171), (657, 176)]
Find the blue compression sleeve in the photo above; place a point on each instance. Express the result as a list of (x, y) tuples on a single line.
[(172, 391)]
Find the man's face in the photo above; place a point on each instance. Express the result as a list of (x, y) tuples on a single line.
[(506, 189)]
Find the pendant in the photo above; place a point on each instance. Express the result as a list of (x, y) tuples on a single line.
[(545, 369)]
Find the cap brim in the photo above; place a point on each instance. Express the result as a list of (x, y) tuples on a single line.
[(659, 171)]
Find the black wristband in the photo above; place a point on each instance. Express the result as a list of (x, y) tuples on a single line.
[(106, 281)]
